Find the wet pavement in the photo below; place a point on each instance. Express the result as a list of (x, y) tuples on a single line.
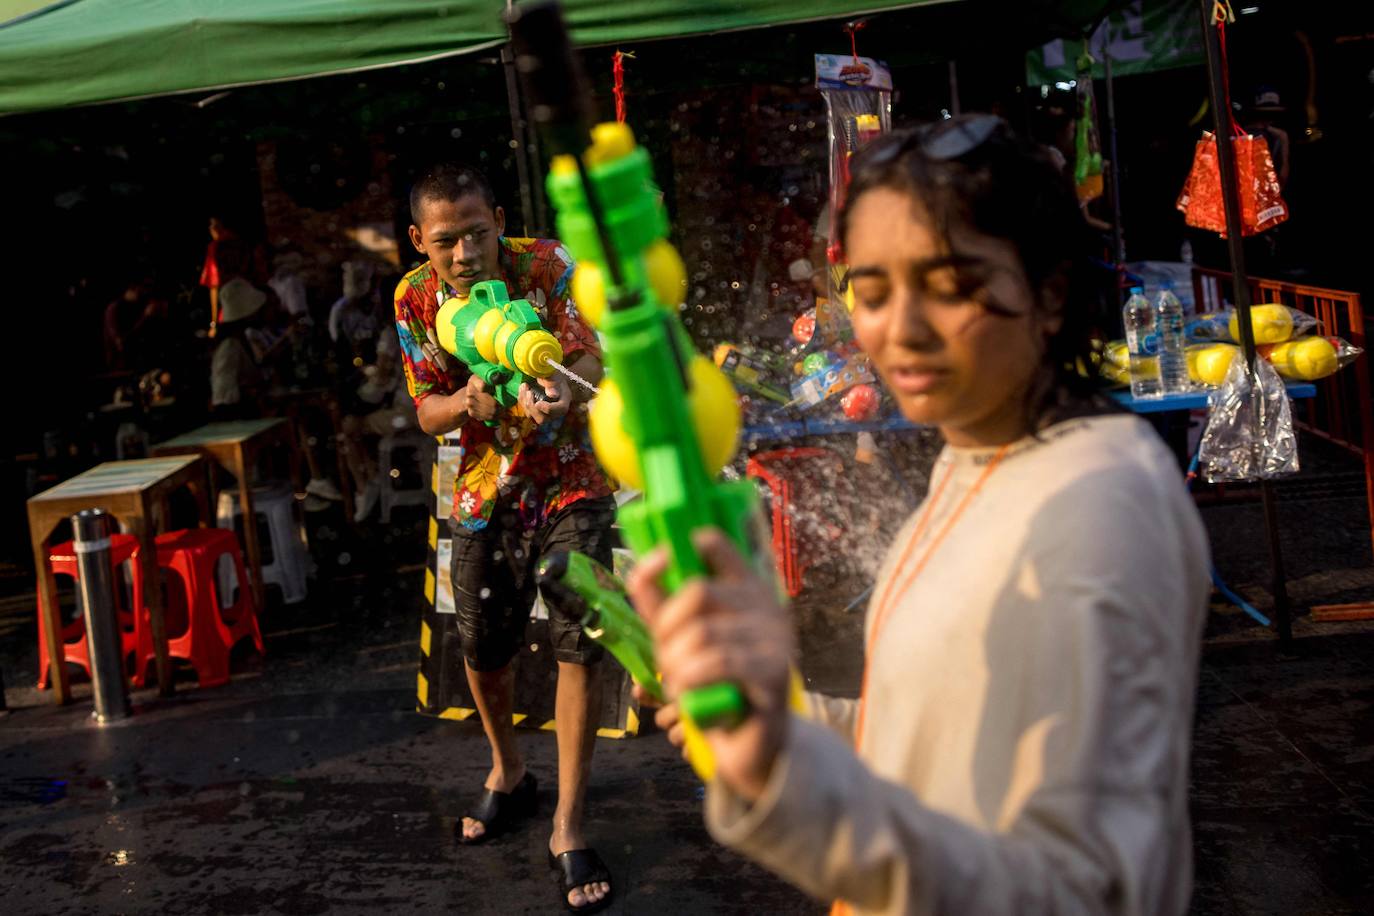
[(310, 785), (328, 802)]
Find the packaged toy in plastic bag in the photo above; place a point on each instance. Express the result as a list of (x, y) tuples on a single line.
[(826, 374), (1306, 359), (1272, 322), (1209, 364), (1310, 358), (1087, 165), (752, 370), (858, 104), (1249, 434), (1111, 362)]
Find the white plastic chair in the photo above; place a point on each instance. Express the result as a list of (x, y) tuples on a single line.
[(290, 564), (422, 449)]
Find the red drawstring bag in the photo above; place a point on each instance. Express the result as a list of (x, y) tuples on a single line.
[(1200, 199), (1261, 201)]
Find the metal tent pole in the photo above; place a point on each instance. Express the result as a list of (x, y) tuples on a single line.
[(1240, 292), (519, 139), (1118, 240), (528, 165)]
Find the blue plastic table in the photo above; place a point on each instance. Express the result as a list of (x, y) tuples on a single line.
[(833, 426), (1193, 400)]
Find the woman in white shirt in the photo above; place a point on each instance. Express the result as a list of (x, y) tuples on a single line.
[(1021, 742)]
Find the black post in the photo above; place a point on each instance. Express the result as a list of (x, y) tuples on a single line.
[(1118, 240), (1240, 293), (519, 139), (955, 107), (531, 192), (95, 581)]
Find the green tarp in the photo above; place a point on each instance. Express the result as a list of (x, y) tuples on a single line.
[(76, 52), (1142, 37)]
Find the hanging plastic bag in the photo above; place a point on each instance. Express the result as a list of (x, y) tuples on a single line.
[(1261, 196), (858, 104), (1200, 199), (1249, 434), (1261, 199), (1087, 165)]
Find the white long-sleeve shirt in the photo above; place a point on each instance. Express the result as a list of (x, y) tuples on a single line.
[(1029, 700)]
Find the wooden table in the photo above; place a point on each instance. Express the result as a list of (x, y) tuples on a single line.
[(134, 492), (235, 446)]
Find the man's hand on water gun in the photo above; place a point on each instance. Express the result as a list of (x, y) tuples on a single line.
[(557, 398), (480, 405), (728, 628)]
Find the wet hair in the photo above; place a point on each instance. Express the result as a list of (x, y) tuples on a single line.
[(449, 181), (1006, 187)]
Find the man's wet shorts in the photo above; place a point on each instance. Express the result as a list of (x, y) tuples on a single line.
[(494, 581)]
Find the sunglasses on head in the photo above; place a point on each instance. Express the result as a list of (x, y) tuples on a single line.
[(942, 141)]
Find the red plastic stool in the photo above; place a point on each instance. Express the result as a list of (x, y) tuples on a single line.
[(791, 473), (62, 560), (211, 631)]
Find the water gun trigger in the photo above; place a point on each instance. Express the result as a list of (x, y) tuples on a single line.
[(499, 339)]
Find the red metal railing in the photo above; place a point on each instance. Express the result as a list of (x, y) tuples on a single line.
[(799, 480), (1343, 410)]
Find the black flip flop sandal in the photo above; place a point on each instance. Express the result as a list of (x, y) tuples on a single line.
[(499, 810), (577, 867)]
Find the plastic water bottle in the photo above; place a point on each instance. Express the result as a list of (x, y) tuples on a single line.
[(1173, 358), (1141, 341)]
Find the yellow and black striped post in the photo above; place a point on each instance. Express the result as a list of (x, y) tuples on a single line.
[(441, 683)]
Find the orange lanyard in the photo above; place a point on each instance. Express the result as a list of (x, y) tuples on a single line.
[(890, 595)]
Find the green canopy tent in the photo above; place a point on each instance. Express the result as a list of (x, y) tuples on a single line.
[(61, 53), (79, 52)]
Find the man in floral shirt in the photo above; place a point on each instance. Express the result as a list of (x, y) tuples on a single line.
[(527, 486)]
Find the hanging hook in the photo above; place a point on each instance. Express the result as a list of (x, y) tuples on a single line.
[(618, 84), (852, 27)]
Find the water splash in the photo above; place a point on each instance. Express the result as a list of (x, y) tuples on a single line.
[(574, 376)]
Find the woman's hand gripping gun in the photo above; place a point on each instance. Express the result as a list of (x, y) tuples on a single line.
[(585, 589)]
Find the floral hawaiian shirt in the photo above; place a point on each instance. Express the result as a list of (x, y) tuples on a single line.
[(536, 470)]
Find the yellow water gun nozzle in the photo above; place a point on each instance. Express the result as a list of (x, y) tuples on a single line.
[(537, 352)]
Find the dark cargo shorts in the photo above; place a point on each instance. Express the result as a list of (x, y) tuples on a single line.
[(494, 583)]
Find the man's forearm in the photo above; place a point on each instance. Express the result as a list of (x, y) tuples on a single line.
[(443, 413)]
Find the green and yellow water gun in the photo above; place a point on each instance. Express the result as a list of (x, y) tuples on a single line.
[(666, 420), (499, 339), (591, 593)]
